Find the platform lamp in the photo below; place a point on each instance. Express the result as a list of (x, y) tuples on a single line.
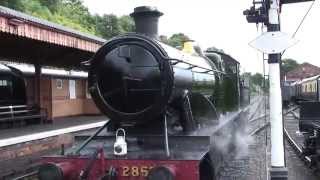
[(273, 42)]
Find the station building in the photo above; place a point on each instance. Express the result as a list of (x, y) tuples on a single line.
[(62, 92), (303, 71), (50, 57)]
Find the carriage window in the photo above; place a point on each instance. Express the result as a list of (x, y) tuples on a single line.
[(3, 83), (59, 83), (310, 88)]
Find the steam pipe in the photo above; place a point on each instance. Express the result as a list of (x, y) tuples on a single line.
[(166, 139)]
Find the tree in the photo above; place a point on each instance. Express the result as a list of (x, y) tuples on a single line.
[(14, 4), (126, 24), (73, 14), (288, 65), (107, 26), (257, 79), (52, 5), (177, 40)]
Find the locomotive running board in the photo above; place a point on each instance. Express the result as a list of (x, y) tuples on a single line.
[(181, 147)]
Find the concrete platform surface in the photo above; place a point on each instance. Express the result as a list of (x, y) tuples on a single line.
[(57, 124)]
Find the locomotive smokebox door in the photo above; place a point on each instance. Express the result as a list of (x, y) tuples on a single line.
[(120, 146)]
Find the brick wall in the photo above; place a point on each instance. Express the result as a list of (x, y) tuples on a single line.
[(55, 97), (63, 105)]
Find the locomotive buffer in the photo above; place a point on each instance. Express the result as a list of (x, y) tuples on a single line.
[(273, 43)]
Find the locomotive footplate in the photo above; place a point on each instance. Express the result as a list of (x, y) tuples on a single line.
[(146, 157), (151, 147)]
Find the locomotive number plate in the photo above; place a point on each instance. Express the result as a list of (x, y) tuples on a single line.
[(136, 170)]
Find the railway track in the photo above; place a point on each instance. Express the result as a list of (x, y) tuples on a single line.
[(29, 176), (296, 140)]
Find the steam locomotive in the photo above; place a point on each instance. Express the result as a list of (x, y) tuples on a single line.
[(159, 99)]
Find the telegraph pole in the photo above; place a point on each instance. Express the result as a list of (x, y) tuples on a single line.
[(273, 43)]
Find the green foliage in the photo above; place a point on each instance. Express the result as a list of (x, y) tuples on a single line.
[(73, 14), (256, 81), (107, 26), (288, 65), (126, 24), (177, 40)]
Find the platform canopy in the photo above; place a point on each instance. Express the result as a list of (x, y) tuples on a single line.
[(24, 38)]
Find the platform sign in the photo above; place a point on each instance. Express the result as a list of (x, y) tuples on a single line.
[(72, 89)]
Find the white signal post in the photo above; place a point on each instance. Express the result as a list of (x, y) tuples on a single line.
[(278, 170), (273, 43), (275, 100)]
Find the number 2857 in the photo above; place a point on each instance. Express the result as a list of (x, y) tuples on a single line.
[(136, 170)]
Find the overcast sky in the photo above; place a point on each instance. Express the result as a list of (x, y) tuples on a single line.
[(220, 23)]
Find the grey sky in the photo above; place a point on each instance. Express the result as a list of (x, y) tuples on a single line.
[(221, 24)]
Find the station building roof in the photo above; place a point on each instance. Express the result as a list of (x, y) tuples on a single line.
[(29, 39), (29, 70), (17, 18), (303, 71), (309, 79)]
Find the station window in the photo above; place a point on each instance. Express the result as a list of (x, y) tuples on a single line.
[(59, 83), (3, 83)]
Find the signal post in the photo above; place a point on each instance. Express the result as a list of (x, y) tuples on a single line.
[(273, 43)]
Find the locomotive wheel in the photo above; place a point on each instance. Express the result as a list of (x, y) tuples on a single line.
[(206, 169)]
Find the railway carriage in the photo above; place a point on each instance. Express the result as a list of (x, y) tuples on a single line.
[(308, 89), (307, 93), (13, 101)]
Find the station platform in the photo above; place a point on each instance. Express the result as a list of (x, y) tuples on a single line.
[(59, 123), (23, 146)]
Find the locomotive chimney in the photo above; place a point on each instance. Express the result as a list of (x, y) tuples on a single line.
[(146, 19)]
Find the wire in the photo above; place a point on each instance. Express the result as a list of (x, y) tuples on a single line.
[(300, 24), (303, 19)]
